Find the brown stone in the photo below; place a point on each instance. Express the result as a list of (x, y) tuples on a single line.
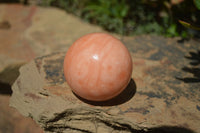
[(163, 95), (27, 32), (13, 122)]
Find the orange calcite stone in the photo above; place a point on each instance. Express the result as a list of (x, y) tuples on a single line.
[(97, 67)]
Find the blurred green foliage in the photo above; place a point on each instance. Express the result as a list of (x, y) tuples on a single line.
[(108, 14), (197, 3), (130, 17)]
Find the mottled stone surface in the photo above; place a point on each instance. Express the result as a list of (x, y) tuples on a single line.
[(163, 95), (27, 32)]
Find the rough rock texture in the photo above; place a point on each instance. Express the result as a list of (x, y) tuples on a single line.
[(27, 32), (163, 95)]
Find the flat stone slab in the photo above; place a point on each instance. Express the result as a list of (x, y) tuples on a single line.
[(163, 95)]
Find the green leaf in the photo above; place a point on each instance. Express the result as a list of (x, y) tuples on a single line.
[(188, 25), (197, 3), (172, 31)]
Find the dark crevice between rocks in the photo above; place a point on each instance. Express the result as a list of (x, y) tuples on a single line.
[(61, 128), (8, 77), (122, 127), (85, 115), (60, 116), (5, 89), (97, 116)]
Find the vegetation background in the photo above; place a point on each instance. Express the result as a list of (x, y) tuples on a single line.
[(133, 17), (130, 17)]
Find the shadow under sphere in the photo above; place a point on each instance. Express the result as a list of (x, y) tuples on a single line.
[(123, 97)]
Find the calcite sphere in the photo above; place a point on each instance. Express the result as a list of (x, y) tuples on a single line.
[(97, 67)]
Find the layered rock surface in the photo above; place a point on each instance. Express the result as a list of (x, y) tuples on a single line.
[(163, 95), (27, 32)]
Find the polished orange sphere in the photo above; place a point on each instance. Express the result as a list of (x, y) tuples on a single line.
[(97, 67)]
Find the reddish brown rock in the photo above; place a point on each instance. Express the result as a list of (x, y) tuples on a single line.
[(163, 94), (27, 32), (15, 123)]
